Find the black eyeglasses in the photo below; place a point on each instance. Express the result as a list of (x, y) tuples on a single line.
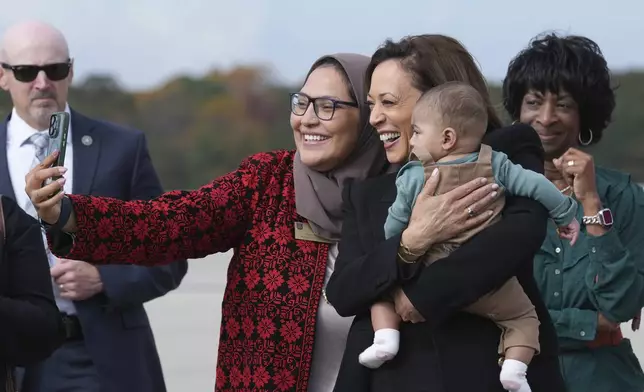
[(324, 107), (28, 73)]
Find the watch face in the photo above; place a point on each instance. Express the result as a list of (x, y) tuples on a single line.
[(606, 216)]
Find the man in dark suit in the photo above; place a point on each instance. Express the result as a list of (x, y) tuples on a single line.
[(109, 343)]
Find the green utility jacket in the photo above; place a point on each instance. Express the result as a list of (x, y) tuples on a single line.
[(598, 274)]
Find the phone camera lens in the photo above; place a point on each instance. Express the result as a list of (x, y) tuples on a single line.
[(53, 127)]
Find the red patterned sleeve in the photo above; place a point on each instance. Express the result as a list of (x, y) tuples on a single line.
[(175, 225)]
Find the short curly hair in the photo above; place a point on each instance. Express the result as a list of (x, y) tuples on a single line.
[(572, 63)]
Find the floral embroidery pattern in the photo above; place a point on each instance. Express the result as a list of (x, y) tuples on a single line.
[(274, 282)]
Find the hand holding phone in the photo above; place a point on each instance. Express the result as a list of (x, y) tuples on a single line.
[(47, 206), (58, 131)]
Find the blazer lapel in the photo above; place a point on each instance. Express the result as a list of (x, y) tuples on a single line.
[(6, 188), (86, 145), (379, 207)]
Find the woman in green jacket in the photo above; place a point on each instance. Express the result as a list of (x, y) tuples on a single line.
[(562, 87)]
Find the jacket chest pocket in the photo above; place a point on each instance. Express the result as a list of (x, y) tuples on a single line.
[(578, 255), (557, 251)]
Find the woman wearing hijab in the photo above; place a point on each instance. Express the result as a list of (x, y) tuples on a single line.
[(281, 213)]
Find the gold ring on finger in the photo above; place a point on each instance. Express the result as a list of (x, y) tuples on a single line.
[(571, 163)]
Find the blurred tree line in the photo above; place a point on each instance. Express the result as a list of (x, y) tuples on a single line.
[(200, 128)]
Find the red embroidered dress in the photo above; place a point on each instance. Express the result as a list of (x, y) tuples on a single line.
[(274, 281)]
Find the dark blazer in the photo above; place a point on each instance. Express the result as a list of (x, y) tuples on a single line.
[(30, 324), (116, 327), (453, 351)]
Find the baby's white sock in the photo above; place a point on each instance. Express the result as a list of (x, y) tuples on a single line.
[(513, 376), (384, 348)]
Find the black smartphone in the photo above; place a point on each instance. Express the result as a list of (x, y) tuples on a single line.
[(58, 130)]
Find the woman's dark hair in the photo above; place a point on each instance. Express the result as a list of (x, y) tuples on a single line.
[(572, 63), (431, 60)]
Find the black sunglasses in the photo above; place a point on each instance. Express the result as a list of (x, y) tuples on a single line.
[(28, 73), (324, 107)]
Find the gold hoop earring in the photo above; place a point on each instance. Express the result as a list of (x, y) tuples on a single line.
[(590, 139)]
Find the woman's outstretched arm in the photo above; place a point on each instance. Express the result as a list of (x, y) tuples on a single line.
[(175, 225)]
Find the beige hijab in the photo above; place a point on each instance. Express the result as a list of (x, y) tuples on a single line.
[(318, 196)]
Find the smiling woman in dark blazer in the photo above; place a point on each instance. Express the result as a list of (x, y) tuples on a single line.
[(442, 349)]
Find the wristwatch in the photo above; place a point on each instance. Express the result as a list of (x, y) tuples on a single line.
[(603, 218), (66, 209)]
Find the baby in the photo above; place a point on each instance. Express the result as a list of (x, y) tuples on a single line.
[(449, 123)]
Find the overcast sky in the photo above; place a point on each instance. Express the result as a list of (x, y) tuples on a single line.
[(145, 42)]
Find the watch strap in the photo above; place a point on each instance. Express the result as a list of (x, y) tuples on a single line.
[(66, 209), (603, 218), (591, 220)]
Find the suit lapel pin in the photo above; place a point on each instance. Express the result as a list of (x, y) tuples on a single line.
[(87, 140)]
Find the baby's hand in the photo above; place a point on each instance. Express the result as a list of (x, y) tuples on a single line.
[(570, 231)]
